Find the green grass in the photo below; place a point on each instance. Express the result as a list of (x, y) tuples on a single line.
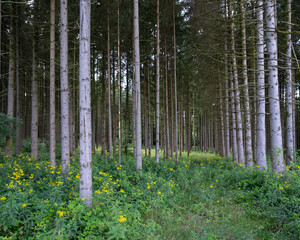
[(205, 197)]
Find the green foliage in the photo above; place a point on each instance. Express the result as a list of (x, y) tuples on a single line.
[(205, 197)]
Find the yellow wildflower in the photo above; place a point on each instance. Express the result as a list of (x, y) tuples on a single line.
[(122, 219), (60, 213), (121, 190), (24, 205), (158, 192), (3, 198)]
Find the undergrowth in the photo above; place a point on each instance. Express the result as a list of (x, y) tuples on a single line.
[(205, 197)]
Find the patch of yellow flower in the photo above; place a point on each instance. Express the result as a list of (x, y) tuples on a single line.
[(3, 198), (61, 213), (122, 219)]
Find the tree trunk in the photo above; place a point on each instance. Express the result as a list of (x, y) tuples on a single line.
[(234, 141), (275, 119), (261, 158), (167, 101), (227, 104), (85, 104), (52, 85), (157, 82), (248, 142), (109, 87), (137, 88), (34, 98), (239, 127), (18, 92), (119, 89), (175, 83), (289, 95), (222, 122), (11, 79), (64, 87)]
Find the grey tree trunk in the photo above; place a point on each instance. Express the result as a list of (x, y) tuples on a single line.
[(137, 87), (167, 102), (52, 84), (157, 82), (248, 140), (261, 158), (234, 132), (227, 128), (119, 89), (11, 79), (18, 90), (275, 118), (239, 126), (85, 187), (64, 87), (34, 98), (175, 84), (222, 122), (289, 95), (109, 88)]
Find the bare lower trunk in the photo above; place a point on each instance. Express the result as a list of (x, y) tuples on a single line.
[(85, 189), (34, 99), (261, 158), (109, 89), (64, 88), (119, 90), (52, 85), (11, 80), (248, 142), (137, 88), (239, 128), (234, 141), (289, 95), (275, 119), (157, 83)]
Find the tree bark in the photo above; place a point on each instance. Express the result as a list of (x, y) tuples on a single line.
[(157, 82), (289, 95), (261, 158), (227, 103), (275, 119), (64, 87), (109, 87), (137, 87), (34, 93), (248, 142), (239, 127), (119, 89), (175, 83), (52, 85), (85, 104), (11, 79)]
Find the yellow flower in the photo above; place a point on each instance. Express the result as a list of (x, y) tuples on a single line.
[(211, 186), (83, 199), (158, 192), (24, 205), (148, 187), (98, 191), (218, 201), (3, 198), (121, 190), (122, 219), (78, 176), (60, 213)]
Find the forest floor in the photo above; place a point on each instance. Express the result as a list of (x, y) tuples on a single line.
[(205, 197)]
